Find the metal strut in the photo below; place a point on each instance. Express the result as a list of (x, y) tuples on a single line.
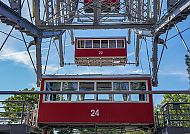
[(137, 50), (38, 60), (6, 38), (184, 43), (155, 61)]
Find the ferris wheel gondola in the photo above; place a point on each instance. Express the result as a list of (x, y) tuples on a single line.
[(100, 51)]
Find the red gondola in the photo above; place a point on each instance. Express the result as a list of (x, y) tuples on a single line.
[(95, 109), (111, 6), (100, 51)]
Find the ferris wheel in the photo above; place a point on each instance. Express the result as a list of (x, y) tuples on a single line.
[(58, 20)]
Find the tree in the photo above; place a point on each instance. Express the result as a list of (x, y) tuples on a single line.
[(15, 105), (176, 98), (187, 61), (178, 113)]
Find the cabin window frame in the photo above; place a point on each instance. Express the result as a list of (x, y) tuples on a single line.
[(123, 95), (95, 87), (100, 40), (69, 96), (110, 96), (80, 95)]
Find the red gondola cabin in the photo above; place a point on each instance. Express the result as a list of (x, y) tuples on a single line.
[(95, 109), (100, 51)]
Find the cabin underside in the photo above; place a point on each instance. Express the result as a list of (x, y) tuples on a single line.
[(124, 126), (101, 61)]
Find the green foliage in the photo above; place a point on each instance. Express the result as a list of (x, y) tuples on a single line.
[(178, 113), (14, 109), (138, 132), (28, 98), (99, 131), (176, 98), (187, 61)]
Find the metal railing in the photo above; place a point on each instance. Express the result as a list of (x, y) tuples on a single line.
[(99, 92), (173, 115), (17, 112)]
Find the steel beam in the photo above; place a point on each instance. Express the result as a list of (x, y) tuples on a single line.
[(97, 11), (16, 19), (38, 60), (48, 34), (137, 47), (101, 15), (129, 36), (155, 61), (155, 10), (132, 25), (36, 11), (98, 92), (171, 15), (61, 56), (10, 16)]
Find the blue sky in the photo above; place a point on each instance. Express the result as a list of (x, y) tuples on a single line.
[(17, 72)]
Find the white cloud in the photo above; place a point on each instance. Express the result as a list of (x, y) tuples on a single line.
[(51, 69), (18, 57), (9, 53), (174, 72), (179, 74)]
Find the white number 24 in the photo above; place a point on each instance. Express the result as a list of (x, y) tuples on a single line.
[(94, 112)]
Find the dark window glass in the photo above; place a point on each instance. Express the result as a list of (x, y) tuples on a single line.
[(53, 86), (138, 86), (69, 86), (96, 43), (86, 86), (102, 86), (121, 86), (88, 44), (120, 43), (80, 43), (104, 43), (112, 43)]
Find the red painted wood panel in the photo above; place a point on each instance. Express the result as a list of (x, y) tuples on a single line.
[(134, 113), (117, 52), (101, 52)]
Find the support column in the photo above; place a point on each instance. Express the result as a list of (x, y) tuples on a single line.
[(36, 11), (155, 10), (97, 11), (58, 16), (129, 36), (155, 61), (61, 57), (139, 6), (137, 50), (38, 60)]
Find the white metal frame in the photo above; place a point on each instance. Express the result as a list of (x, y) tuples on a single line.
[(95, 87)]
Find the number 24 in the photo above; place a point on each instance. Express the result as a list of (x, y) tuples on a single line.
[(94, 113)]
